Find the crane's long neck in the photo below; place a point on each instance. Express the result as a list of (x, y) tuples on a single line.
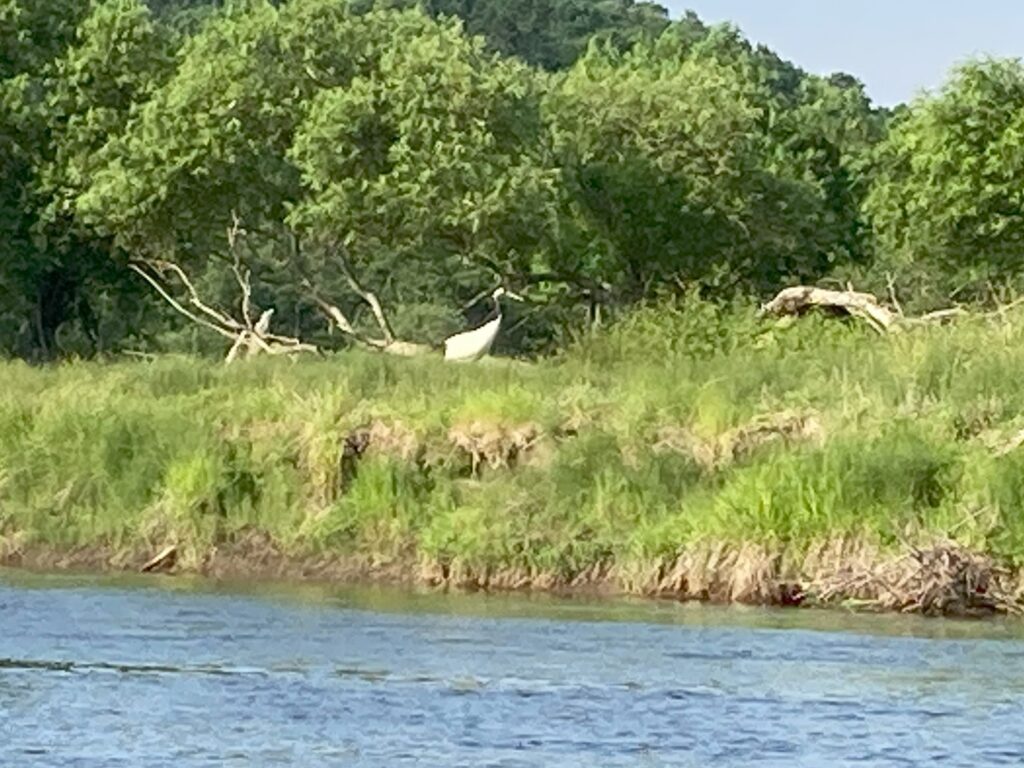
[(497, 307)]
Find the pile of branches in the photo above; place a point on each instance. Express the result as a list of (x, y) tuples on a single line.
[(941, 580)]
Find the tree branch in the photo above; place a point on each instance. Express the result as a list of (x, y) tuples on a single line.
[(242, 276), (177, 305), (388, 343), (367, 296), (252, 338), (334, 313), (169, 266)]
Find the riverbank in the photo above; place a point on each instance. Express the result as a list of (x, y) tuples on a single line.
[(688, 452), (942, 580)]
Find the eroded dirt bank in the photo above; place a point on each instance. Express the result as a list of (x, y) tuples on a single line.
[(941, 580)]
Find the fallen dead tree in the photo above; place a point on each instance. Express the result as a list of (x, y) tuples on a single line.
[(385, 341), (801, 299), (248, 337), (251, 336)]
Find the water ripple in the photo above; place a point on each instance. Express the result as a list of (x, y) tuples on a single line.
[(98, 676)]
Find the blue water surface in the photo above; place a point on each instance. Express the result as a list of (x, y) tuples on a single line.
[(102, 672)]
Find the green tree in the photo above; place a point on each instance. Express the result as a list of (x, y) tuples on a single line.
[(384, 142), (825, 136), (949, 195), (553, 33), (32, 36), (695, 158), (428, 169), (210, 141), (382, 132)]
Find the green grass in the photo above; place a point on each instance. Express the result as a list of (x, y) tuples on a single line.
[(133, 455)]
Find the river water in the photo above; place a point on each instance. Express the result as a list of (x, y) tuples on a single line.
[(112, 672)]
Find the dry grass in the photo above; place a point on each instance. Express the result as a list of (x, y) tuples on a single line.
[(939, 580)]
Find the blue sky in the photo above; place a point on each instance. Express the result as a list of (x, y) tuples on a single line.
[(896, 47)]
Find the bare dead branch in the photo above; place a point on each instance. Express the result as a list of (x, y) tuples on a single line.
[(246, 337), (236, 348), (181, 309), (340, 320), (939, 316), (892, 294), (1004, 309), (244, 279), (799, 299), (163, 559), (334, 313), (369, 297), (243, 275), (162, 266)]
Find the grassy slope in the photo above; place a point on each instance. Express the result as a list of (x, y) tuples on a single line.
[(130, 456)]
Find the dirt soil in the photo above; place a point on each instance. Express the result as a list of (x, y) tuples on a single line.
[(941, 580)]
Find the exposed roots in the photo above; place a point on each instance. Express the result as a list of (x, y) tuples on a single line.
[(496, 446), (382, 438), (941, 580), (742, 442), (722, 573), (459, 575)]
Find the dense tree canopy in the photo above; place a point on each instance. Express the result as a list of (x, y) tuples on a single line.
[(47, 265), (553, 33), (692, 157), (949, 199), (589, 154)]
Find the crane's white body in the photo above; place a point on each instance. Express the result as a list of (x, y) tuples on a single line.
[(472, 345)]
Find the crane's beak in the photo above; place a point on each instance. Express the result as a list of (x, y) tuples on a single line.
[(514, 296)]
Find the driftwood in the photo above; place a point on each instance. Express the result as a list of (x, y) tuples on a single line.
[(164, 559), (943, 579), (800, 299)]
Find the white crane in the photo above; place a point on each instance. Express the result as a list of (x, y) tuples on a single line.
[(474, 344)]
